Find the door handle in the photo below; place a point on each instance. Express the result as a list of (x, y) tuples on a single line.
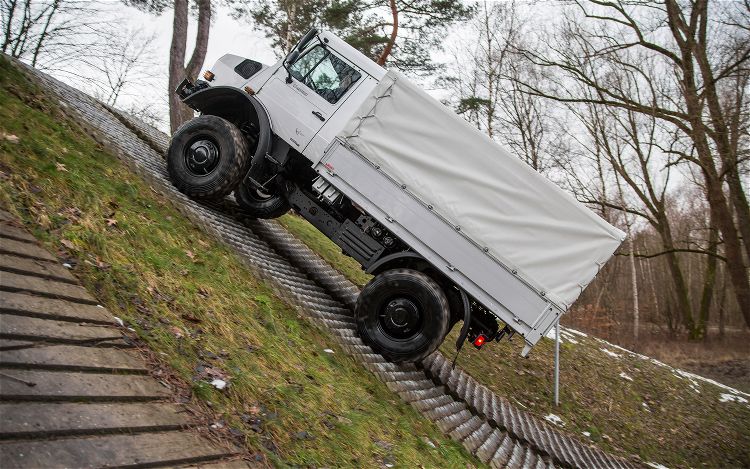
[(319, 116)]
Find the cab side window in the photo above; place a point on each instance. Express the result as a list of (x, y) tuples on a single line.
[(325, 73)]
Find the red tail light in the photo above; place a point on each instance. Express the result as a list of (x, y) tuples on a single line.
[(480, 340)]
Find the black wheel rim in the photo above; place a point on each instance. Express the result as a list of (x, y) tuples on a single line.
[(400, 318), (202, 156)]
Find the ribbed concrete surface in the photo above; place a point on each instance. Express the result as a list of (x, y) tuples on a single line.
[(486, 424), (71, 393)]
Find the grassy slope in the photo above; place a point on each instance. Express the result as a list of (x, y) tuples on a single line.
[(325, 248), (195, 304), (680, 427)]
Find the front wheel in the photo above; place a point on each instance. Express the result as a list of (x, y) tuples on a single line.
[(402, 314), (207, 157)]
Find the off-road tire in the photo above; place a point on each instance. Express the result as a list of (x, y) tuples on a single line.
[(233, 158), (425, 293), (255, 206)]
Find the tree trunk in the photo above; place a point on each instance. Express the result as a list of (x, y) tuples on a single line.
[(691, 39), (722, 216), (179, 113), (741, 208), (709, 281), (634, 286), (43, 35), (394, 34), (681, 291), (9, 26)]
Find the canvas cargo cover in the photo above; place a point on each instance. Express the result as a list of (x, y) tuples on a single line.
[(555, 243)]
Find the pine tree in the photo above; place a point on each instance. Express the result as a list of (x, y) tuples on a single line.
[(391, 32)]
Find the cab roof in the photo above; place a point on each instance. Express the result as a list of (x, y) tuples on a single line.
[(353, 55)]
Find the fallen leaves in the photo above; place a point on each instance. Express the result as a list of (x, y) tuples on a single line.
[(68, 244), (9, 137), (191, 318), (72, 214)]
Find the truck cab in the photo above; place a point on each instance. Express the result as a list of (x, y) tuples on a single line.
[(305, 97)]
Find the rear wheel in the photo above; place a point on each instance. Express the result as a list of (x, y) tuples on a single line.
[(207, 157), (259, 204), (402, 314)]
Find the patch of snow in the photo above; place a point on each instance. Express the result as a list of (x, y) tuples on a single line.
[(327, 350), (732, 398), (131, 329), (219, 383), (119, 321), (680, 373), (552, 418), (100, 306), (646, 407), (582, 334), (688, 376), (567, 336), (656, 465), (624, 375), (586, 434), (564, 335), (610, 353), (67, 266)]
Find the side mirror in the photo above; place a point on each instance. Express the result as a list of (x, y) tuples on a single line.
[(290, 59), (296, 50)]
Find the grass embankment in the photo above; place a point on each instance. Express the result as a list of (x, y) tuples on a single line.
[(623, 403), (325, 248), (192, 301)]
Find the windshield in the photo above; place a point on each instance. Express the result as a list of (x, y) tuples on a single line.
[(325, 73)]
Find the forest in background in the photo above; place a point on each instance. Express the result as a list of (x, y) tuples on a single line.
[(639, 108)]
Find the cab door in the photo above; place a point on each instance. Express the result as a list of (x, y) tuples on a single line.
[(319, 79)]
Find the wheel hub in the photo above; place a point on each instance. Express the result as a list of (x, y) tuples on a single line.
[(202, 157), (400, 318)]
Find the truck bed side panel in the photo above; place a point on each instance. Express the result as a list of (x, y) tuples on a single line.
[(554, 243), (448, 249)]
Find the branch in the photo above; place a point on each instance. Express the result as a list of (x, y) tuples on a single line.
[(670, 251)]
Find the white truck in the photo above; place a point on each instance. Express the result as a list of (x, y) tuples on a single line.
[(452, 226)]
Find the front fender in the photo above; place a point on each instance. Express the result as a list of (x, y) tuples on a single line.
[(237, 107)]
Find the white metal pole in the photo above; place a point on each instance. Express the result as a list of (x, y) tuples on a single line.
[(557, 363)]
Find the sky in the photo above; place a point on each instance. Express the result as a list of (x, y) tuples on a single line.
[(227, 36)]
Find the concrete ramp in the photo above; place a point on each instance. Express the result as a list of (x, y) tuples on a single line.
[(73, 392)]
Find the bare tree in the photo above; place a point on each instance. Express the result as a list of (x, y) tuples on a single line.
[(131, 59), (676, 58), (52, 33), (484, 80)]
